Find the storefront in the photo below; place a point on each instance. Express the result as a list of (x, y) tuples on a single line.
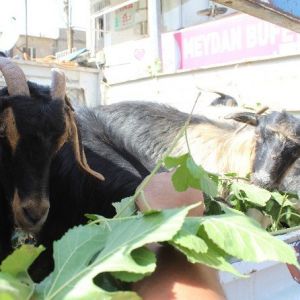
[(218, 49)]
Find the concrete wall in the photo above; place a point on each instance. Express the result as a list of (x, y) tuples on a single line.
[(44, 46), (47, 46), (79, 39), (273, 82), (80, 81)]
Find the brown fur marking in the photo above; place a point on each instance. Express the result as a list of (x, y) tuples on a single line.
[(12, 133), (78, 149), (219, 150), (66, 135)]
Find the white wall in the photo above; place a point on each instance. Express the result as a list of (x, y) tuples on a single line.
[(274, 82)]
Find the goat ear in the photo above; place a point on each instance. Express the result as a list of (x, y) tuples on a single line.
[(79, 154), (244, 117)]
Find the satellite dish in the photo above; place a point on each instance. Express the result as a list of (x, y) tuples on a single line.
[(9, 36)]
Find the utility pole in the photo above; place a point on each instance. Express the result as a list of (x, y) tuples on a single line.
[(154, 26), (68, 15), (26, 29)]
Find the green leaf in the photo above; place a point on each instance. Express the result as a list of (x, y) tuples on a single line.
[(214, 257), (171, 162), (212, 207), (88, 250), (202, 249), (242, 237), (96, 293), (15, 282), (282, 200), (188, 174), (207, 185), (142, 256), (11, 288), (20, 260), (91, 217), (187, 237), (182, 180), (254, 194), (125, 208)]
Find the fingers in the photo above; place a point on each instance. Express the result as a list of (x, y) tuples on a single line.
[(161, 194)]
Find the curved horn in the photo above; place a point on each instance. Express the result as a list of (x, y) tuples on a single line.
[(14, 77), (58, 84), (244, 117)]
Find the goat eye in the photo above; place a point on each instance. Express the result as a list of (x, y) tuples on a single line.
[(274, 156), (280, 136), (296, 152), (2, 131)]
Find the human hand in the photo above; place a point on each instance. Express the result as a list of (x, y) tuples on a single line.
[(161, 194), (175, 278)]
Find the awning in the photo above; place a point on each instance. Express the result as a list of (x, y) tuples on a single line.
[(111, 9)]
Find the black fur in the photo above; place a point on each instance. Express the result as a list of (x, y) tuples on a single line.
[(40, 123), (35, 167)]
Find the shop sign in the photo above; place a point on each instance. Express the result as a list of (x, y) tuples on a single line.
[(124, 17), (233, 39)]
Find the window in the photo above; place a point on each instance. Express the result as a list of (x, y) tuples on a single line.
[(31, 51), (178, 14)]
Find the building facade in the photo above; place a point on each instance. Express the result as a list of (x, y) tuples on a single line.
[(149, 47), (39, 47)]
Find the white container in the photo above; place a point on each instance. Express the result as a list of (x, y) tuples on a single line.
[(266, 281)]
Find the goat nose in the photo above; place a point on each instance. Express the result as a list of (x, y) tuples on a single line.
[(263, 183), (31, 215), (262, 179), (35, 212)]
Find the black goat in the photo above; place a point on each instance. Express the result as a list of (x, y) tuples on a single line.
[(74, 193), (267, 148), (46, 185), (31, 127)]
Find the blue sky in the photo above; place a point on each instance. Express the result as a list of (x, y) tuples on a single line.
[(44, 16)]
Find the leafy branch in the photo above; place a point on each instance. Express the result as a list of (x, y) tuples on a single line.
[(95, 261)]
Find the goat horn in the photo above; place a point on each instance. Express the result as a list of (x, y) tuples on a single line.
[(14, 77), (58, 84), (262, 110)]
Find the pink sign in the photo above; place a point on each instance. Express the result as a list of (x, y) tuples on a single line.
[(233, 39)]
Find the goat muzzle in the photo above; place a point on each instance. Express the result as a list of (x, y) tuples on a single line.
[(30, 213), (263, 180)]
